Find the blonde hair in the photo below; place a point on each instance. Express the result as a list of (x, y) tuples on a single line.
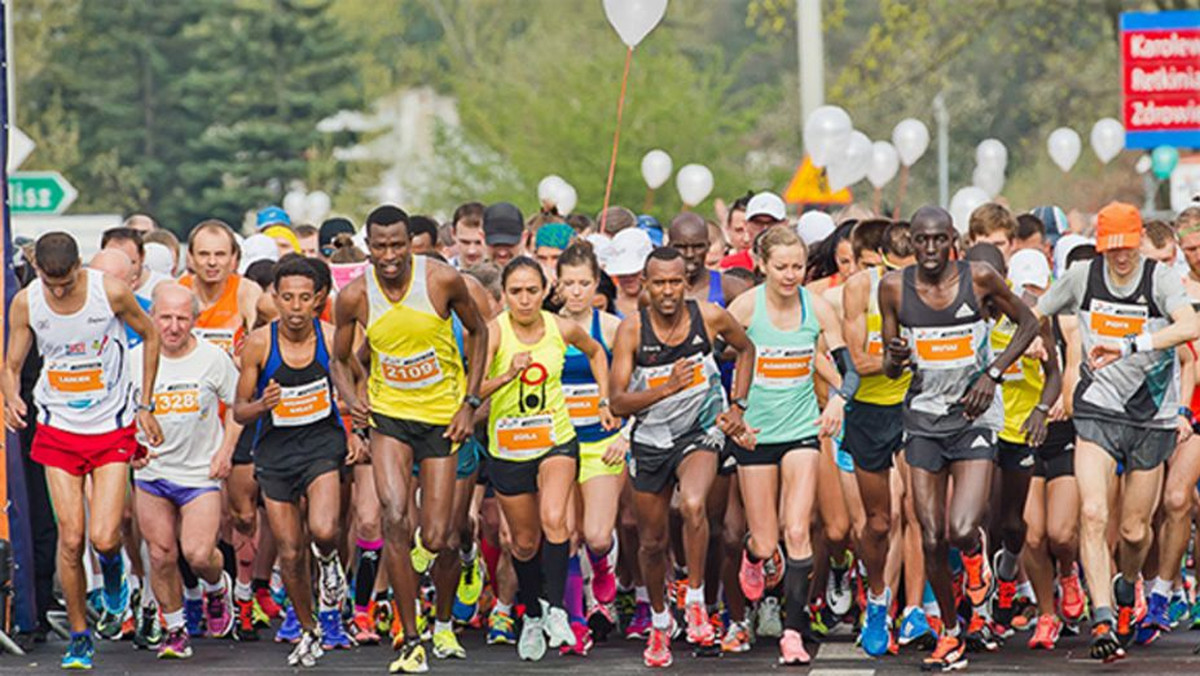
[(775, 237)]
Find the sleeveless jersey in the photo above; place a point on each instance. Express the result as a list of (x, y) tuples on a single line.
[(1021, 386), (305, 425), (581, 391), (528, 416), (716, 294), (416, 366), (221, 324), (84, 386), (782, 404), (1142, 388), (950, 351), (878, 389), (691, 410)]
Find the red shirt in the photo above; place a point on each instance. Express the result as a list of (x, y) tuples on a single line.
[(740, 259)]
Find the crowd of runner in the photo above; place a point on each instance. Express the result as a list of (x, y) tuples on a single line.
[(556, 431)]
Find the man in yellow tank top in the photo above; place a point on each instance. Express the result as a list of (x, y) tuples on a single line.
[(416, 399)]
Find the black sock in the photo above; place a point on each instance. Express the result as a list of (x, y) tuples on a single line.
[(796, 583), (555, 558), (185, 572), (529, 584), (229, 562), (1124, 592), (381, 595), (364, 575), (260, 583)]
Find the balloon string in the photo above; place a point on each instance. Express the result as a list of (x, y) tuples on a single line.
[(900, 195), (612, 165)]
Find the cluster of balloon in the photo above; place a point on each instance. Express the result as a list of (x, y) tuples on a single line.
[(991, 159), (555, 193), (307, 207)]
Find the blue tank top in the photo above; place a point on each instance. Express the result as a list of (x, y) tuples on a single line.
[(581, 391), (716, 295)]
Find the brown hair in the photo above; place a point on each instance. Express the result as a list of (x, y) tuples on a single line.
[(778, 236), (1159, 233), (868, 235), (989, 218), (306, 230), (1188, 221), (897, 241), (578, 254), (345, 251), (163, 237), (468, 215), (215, 225)]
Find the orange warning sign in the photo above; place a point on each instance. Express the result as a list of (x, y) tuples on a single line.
[(809, 186)]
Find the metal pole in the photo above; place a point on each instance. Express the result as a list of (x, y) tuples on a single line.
[(812, 57), (942, 117)]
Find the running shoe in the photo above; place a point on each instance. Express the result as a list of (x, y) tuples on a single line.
[(1045, 635), (583, 641), (736, 639), (79, 652), (116, 603), (1195, 614), (949, 655), (501, 629), (936, 624), (752, 578), (110, 625), (768, 622), (774, 569), (1158, 608), (412, 659), (1072, 602), (422, 559), (980, 637), (307, 651), (600, 621), (382, 614), (1104, 645), (245, 629), (218, 609), (95, 601), (470, 586), (699, 629), (978, 578), (557, 626), (638, 627), (267, 603), (1146, 633), (193, 616), (819, 617), (446, 646), (364, 629), (333, 632), (658, 649), (149, 633), (1177, 610), (915, 629), (1126, 624), (1004, 606), (532, 645), (875, 635), (791, 649), (838, 590), (289, 630), (177, 646)]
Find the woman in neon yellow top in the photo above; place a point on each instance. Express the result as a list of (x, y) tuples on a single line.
[(532, 445)]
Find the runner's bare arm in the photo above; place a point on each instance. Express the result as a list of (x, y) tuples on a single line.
[(719, 321), (576, 335), (349, 311), (1034, 426), (247, 409), (463, 304), (344, 379), (733, 286), (622, 402), (991, 288), (742, 308), (855, 299), (831, 328), (1069, 324), (490, 385), (20, 339), (127, 309), (897, 353), (249, 295)]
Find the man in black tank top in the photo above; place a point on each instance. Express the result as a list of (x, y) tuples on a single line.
[(948, 419), (664, 376)]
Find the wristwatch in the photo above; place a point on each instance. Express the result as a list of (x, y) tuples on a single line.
[(995, 374), (149, 408), (603, 404), (740, 403), (1043, 408), (473, 401)]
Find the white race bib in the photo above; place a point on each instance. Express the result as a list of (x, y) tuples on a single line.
[(413, 372), (521, 439), (302, 404), (944, 347), (782, 367), (583, 403), (76, 379)]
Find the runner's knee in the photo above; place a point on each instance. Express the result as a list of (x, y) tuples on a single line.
[(1134, 531), (796, 537), (1177, 501)]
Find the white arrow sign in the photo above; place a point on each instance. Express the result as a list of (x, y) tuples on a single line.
[(19, 147)]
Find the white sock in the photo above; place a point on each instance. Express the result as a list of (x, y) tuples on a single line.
[(909, 609), (660, 620), (193, 593), (242, 591), (174, 619), (932, 609), (1161, 586), (953, 633), (468, 556), (500, 607), (641, 595), (213, 587), (438, 626), (883, 599), (1026, 589), (695, 596)]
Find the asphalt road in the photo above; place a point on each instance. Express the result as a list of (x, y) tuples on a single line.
[(837, 656)]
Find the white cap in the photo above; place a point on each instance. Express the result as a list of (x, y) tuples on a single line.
[(627, 252), (1063, 248), (1029, 267), (766, 204), (815, 226), (159, 259), (258, 248)]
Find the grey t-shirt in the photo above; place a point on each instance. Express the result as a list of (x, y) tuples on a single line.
[(1066, 293)]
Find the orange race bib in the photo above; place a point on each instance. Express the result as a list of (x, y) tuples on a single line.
[(79, 379), (413, 372), (1117, 320), (583, 404), (944, 347), (521, 439), (659, 375), (177, 399), (875, 344), (302, 404), (782, 367), (226, 339)]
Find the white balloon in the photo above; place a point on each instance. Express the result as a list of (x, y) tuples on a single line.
[(826, 133), (317, 206), (1108, 139), (566, 199), (549, 188), (656, 168), (295, 205), (991, 153), (885, 162), (911, 138), (1143, 164), (988, 179), (852, 165), (694, 182), (1064, 145), (965, 201), (634, 19)]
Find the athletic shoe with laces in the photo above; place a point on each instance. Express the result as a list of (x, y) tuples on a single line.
[(148, 634), (699, 629), (1104, 645), (977, 580), (1139, 601), (600, 621), (1045, 635), (875, 635), (639, 625), (267, 603), (791, 649), (557, 625), (218, 609), (422, 558), (768, 622), (412, 659), (774, 569), (818, 613), (381, 612), (193, 616), (583, 641), (333, 632), (838, 590), (949, 655), (1158, 607), (1195, 615), (532, 645), (176, 646), (658, 649), (752, 579), (1004, 606), (1126, 624), (245, 628), (307, 651), (979, 636), (501, 629), (1072, 602), (1177, 609), (470, 587), (289, 629), (80, 652), (446, 646), (736, 638), (112, 626), (915, 629), (604, 581), (364, 629)]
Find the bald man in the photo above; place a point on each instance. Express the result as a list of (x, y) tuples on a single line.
[(689, 234), (116, 264)]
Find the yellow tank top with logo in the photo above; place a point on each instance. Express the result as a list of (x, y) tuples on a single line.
[(416, 369), (878, 389), (529, 416), (1021, 386)]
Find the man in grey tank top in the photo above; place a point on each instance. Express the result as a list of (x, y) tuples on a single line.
[(950, 414)]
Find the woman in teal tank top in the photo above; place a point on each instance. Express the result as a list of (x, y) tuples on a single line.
[(793, 331)]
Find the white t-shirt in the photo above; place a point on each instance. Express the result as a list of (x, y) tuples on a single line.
[(187, 394)]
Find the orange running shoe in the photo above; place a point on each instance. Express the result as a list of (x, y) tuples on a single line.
[(699, 629), (949, 655), (978, 578), (1105, 645), (1045, 636), (1072, 602), (658, 649)]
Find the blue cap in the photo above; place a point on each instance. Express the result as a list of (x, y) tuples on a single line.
[(652, 228), (1055, 221), (272, 215)]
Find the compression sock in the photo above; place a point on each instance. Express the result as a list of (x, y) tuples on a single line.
[(573, 596), (366, 571), (554, 566), (796, 582), (1006, 564), (529, 584), (112, 567)]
